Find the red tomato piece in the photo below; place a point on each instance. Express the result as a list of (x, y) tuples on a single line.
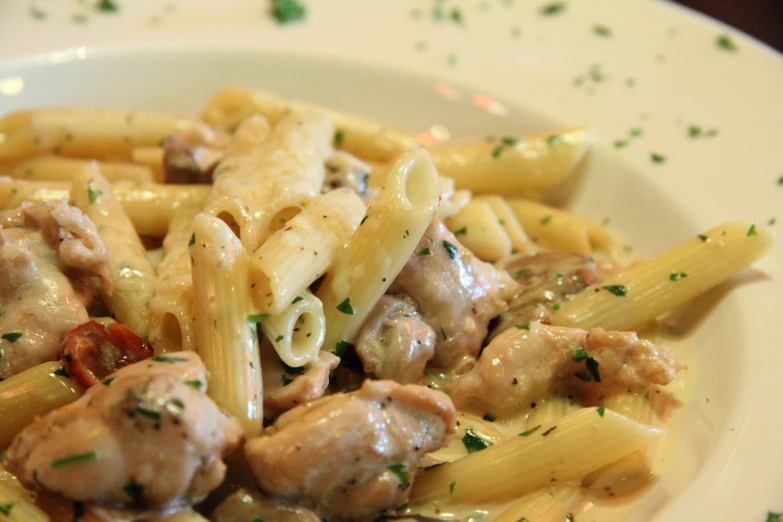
[(92, 352)]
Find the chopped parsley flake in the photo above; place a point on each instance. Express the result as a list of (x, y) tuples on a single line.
[(524, 326), (407, 234), (451, 250), (192, 239), (456, 15), (79, 18), (546, 219), (780, 180), (257, 318), (694, 131), (107, 6), (774, 517), (287, 11), (462, 231), (619, 144), (675, 276), (771, 221), (279, 338), (473, 442), (618, 290), (12, 337), (497, 151), (133, 489), (363, 220), (602, 30), (61, 371), (5, 509), (554, 140), (339, 136), (635, 132), (553, 8), (297, 299), (107, 382), (175, 406), (345, 307), (529, 432), (73, 459), (146, 412), (401, 472), (580, 355), (601, 410), (168, 359), (703, 238), (38, 14), (752, 230), (195, 384), (451, 487), (725, 43), (286, 380), (425, 252), (341, 347), (555, 307), (657, 158), (453, 59), (509, 140), (92, 195)]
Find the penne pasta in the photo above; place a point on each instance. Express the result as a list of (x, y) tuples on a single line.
[(395, 222), (255, 194), (643, 292), (56, 168), (514, 164), (18, 503), (550, 410), (297, 333), (172, 321), (152, 158), (33, 392), (359, 136), (508, 220), (226, 336), (295, 256), (150, 206), (567, 450), (249, 505), (553, 504), (479, 229), (132, 273), (106, 134), (250, 134)]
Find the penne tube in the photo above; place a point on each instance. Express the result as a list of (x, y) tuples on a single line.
[(288, 262), (226, 336), (152, 158), (634, 406), (248, 505), (131, 272), (362, 137), (479, 229), (297, 333), (250, 134), (172, 323), (567, 450), (105, 134), (150, 206), (396, 220), (31, 393), (56, 168), (17, 502), (513, 165), (643, 292), (255, 194), (558, 229), (550, 410), (553, 504), (508, 220)]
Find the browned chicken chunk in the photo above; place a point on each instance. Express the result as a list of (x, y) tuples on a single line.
[(48, 253), (352, 455), (148, 437), (394, 342), (456, 294), (522, 366), (286, 387)]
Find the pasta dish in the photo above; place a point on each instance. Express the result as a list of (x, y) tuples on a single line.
[(278, 311)]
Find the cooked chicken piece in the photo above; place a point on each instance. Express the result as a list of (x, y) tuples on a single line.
[(286, 387), (394, 342), (148, 437), (352, 455), (522, 366), (456, 294), (545, 279), (346, 170), (38, 302), (188, 162)]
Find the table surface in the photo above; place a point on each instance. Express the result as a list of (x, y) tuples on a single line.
[(762, 19)]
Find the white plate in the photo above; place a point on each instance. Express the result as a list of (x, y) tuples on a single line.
[(506, 69)]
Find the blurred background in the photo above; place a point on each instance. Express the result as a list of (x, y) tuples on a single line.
[(762, 19)]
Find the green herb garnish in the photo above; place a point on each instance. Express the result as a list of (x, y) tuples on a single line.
[(297, 299), (601, 410), (107, 382), (425, 252), (92, 194), (168, 359), (546, 219), (676, 276), (107, 6), (257, 318), (618, 290), (657, 158), (192, 240), (345, 307), (602, 30), (5, 509), (725, 43), (529, 432), (279, 338), (341, 347), (451, 250), (12, 337), (752, 230), (146, 412), (134, 490), (489, 418), (524, 326), (703, 238), (339, 136), (38, 14), (61, 371), (462, 231), (401, 472), (553, 8), (287, 11), (195, 384), (473, 442), (73, 459)]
